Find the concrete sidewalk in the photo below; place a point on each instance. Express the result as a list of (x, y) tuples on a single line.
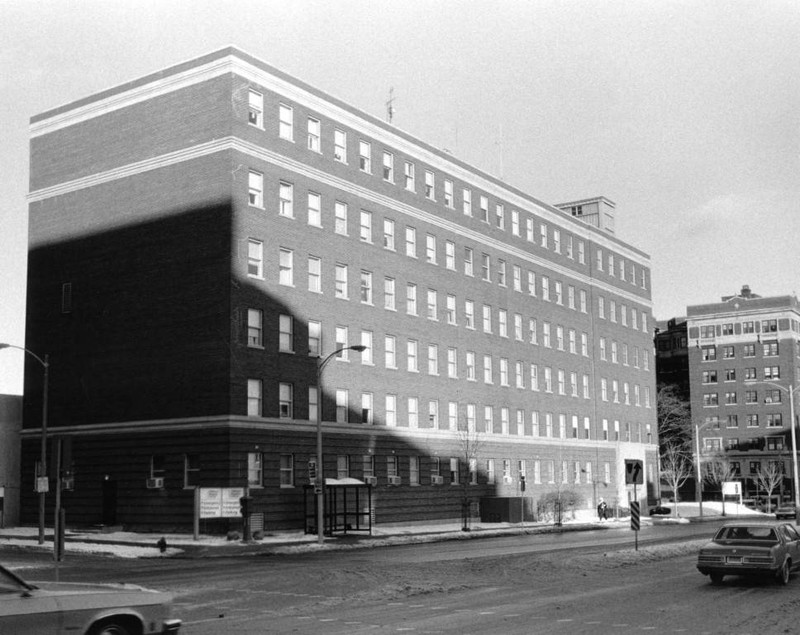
[(143, 545)]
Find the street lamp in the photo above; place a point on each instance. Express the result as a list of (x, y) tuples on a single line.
[(320, 484), (43, 455)]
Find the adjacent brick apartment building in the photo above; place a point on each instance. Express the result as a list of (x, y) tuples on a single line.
[(201, 236), (744, 368)]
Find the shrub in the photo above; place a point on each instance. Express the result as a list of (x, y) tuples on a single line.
[(569, 500)]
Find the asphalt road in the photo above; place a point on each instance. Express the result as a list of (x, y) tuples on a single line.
[(585, 582)]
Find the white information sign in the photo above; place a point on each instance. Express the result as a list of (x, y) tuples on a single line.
[(220, 502)]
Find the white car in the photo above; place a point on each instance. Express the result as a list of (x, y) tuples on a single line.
[(58, 608)]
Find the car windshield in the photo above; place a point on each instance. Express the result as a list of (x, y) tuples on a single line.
[(767, 534)]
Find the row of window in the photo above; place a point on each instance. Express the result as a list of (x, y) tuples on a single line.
[(750, 374), (771, 420), (776, 467), (535, 425), (709, 331), (576, 299), (768, 349), (559, 337), (491, 214), (731, 398)]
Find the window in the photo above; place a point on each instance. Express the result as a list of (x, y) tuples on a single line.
[(255, 258), (469, 314), (285, 400), (487, 369), (389, 296), (500, 212), (365, 227), (66, 297), (342, 406), (529, 232), (314, 209), (709, 353), (255, 109), (388, 234), (710, 399), (467, 196), (518, 327), (433, 302), (503, 372), (772, 372), (433, 414), (543, 235), (430, 248), (515, 222), (413, 412), (502, 322), (501, 273), (433, 359), (286, 267), (709, 376), (411, 242), (366, 287), (468, 262), (413, 470), (730, 398), (342, 466), (488, 419), (340, 145), (286, 122), (732, 421), (314, 274), (770, 349), (775, 420), (452, 363), (470, 362), (287, 470), (412, 354), (408, 173), (517, 278), (341, 334), (487, 318), (486, 267), (191, 470), (285, 333), (411, 299), (286, 199), (340, 218), (450, 309), (255, 331), (313, 134), (751, 396), (254, 397), (365, 156), (557, 241), (546, 335), (752, 421), (430, 185), (366, 342), (314, 338), (450, 255), (448, 193), (728, 352), (367, 408), (388, 167), (391, 410), (484, 205), (534, 377), (748, 327), (255, 189), (769, 326), (772, 396), (749, 350), (750, 374), (341, 281), (390, 351)]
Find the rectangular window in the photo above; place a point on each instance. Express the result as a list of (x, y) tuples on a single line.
[(468, 262), (487, 369), (430, 185), (452, 363), (388, 234), (448, 194), (433, 414), (286, 199), (433, 302), (285, 400), (430, 248), (340, 145), (255, 109), (413, 412), (255, 189), (450, 255), (450, 309), (486, 267), (342, 466), (470, 362), (255, 469), (285, 333), (391, 410), (286, 267), (313, 134), (366, 287), (367, 408), (484, 205), (366, 342), (390, 351), (389, 296), (467, 195), (365, 226), (66, 297), (341, 281), (191, 470), (342, 406), (408, 174), (413, 470), (286, 122), (388, 167), (433, 359), (411, 299), (314, 209), (287, 470), (341, 344), (255, 330), (365, 156), (412, 354), (340, 218), (314, 338), (255, 258), (254, 397), (314, 274)]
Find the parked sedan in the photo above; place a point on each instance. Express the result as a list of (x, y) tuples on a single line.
[(53, 608), (767, 549)]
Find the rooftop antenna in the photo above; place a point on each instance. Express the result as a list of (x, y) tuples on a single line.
[(390, 106)]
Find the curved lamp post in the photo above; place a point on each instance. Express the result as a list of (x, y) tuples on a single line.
[(320, 484), (43, 455)]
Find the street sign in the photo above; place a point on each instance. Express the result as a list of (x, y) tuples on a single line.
[(42, 484), (220, 502), (634, 472), (312, 470), (635, 515)]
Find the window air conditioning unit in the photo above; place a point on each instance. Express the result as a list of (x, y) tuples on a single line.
[(507, 479), (437, 480), (155, 483), (395, 480), (371, 480), (68, 483)]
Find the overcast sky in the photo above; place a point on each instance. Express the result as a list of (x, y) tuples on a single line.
[(685, 114)]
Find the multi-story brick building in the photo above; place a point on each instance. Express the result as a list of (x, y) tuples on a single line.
[(744, 368), (200, 237)]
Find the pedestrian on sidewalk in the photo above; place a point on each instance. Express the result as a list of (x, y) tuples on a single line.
[(602, 510)]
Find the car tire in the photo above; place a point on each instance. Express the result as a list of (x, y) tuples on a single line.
[(783, 573), (110, 628), (716, 578)]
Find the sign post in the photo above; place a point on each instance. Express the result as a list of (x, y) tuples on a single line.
[(634, 476)]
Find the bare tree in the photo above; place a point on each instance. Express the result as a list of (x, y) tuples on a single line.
[(769, 478), (674, 418), (716, 471), (469, 445), (676, 468)]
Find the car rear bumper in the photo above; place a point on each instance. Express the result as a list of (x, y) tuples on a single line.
[(760, 569)]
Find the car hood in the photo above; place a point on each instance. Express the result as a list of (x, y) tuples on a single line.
[(133, 591)]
